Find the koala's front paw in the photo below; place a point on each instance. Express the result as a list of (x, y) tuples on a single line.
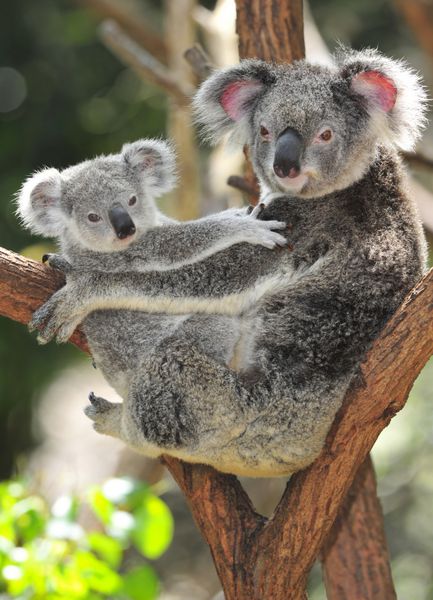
[(263, 232), (57, 262), (106, 416), (56, 316)]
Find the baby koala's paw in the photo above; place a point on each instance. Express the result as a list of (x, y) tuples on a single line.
[(106, 416), (263, 233), (57, 262)]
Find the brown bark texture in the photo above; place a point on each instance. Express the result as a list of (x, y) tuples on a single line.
[(354, 558), (258, 558), (270, 29)]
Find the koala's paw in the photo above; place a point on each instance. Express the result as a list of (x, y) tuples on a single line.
[(56, 316), (264, 233), (106, 416), (57, 262)]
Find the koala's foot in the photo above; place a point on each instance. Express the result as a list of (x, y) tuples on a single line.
[(57, 262), (106, 416)]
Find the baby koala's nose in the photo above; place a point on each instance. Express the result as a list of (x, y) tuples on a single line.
[(122, 223)]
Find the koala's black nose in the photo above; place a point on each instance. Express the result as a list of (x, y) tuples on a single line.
[(122, 223), (287, 153)]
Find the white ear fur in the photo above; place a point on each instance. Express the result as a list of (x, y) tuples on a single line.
[(154, 163), (224, 101), (400, 122), (39, 202)]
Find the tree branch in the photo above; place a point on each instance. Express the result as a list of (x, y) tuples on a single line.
[(133, 24), (358, 539), (143, 63)]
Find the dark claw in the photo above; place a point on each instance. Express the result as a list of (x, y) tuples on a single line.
[(94, 364), (45, 258), (92, 398), (250, 209), (289, 247)]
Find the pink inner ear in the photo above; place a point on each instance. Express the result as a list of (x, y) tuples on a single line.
[(377, 88), (236, 95)]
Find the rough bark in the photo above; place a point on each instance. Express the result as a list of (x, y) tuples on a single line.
[(270, 29), (354, 558), (260, 558)]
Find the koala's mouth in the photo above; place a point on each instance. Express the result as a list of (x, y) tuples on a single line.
[(293, 184)]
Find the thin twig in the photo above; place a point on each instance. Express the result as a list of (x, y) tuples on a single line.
[(132, 23), (415, 159), (143, 63), (240, 183), (199, 61)]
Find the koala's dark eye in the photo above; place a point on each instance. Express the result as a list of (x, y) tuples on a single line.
[(93, 217), (326, 135), (132, 201), (265, 133)]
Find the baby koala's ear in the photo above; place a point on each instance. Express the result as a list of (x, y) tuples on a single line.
[(391, 93), (153, 161), (39, 203)]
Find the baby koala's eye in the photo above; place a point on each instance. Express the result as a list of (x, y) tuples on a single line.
[(132, 201), (265, 133), (326, 135), (93, 217)]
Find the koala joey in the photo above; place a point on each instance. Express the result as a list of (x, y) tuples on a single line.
[(323, 141), (103, 214)]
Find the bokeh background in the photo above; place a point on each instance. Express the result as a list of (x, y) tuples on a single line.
[(65, 96)]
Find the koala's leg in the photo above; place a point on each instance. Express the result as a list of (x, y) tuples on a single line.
[(193, 407), (106, 416)]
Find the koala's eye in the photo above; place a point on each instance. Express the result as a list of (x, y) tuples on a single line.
[(265, 133), (326, 135), (132, 201), (93, 217)]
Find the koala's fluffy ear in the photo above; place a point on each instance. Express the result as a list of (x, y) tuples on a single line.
[(39, 203), (226, 99), (390, 91), (153, 161)]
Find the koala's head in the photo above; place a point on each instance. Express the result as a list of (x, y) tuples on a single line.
[(101, 204), (313, 129)]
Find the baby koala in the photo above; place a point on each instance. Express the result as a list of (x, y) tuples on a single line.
[(103, 214)]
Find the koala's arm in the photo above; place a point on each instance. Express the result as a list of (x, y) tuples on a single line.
[(174, 245), (225, 283)]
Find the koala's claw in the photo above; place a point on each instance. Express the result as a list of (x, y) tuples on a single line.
[(57, 262), (257, 210)]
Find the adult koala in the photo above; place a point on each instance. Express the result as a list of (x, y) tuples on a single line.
[(324, 143)]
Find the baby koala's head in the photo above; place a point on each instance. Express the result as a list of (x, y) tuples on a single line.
[(102, 204)]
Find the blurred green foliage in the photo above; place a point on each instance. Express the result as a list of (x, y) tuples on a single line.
[(45, 554)]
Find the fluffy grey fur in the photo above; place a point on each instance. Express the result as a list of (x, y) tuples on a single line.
[(306, 317)]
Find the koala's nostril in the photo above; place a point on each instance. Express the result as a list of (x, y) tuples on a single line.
[(294, 172), (279, 171), (125, 232)]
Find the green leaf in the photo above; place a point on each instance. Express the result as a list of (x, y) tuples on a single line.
[(102, 507), (153, 530), (107, 548), (98, 576), (141, 584), (29, 517)]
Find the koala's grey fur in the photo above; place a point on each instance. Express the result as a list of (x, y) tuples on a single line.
[(307, 317), (57, 204)]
